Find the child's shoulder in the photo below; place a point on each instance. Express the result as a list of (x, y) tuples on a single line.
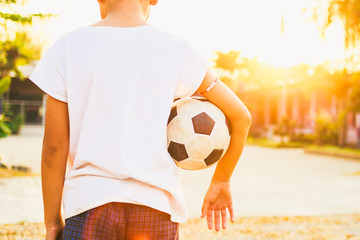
[(77, 36), (60, 43), (171, 37)]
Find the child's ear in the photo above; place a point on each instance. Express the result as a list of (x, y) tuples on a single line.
[(153, 2)]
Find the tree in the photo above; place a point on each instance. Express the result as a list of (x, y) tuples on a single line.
[(236, 71), (355, 93), (326, 12), (348, 11), (228, 61), (16, 48), (226, 65)]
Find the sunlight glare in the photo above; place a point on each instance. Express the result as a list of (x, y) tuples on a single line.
[(251, 27)]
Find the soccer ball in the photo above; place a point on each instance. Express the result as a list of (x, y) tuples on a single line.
[(198, 133)]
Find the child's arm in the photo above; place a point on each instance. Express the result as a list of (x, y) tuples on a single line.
[(53, 164), (218, 197)]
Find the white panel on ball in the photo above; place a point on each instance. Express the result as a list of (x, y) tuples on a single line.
[(220, 137), (189, 107), (214, 112), (192, 164), (199, 147), (180, 130)]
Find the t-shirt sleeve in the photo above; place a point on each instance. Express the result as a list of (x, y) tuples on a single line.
[(193, 68), (49, 74)]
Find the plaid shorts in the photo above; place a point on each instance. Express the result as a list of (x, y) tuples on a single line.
[(117, 220)]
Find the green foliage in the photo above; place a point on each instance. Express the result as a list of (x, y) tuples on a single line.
[(16, 49), (7, 1), (286, 127), (334, 151), (4, 128), (13, 119), (22, 19), (16, 123), (304, 138), (17, 52), (263, 142), (326, 129), (4, 84)]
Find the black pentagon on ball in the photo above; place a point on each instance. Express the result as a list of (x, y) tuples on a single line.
[(203, 124), (173, 114), (214, 156), (177, 151)]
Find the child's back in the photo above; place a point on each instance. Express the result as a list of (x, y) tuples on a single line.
[(119, 84)]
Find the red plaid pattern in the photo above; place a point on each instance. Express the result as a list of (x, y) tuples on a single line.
[(121, 221)]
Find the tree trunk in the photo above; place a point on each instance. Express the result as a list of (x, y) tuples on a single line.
[(342, 117)]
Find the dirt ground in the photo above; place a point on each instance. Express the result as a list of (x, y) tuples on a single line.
[(340, 227)]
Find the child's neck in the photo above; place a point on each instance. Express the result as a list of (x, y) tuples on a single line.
[(124, 16)]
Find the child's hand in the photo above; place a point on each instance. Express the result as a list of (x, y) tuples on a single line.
[(216, 201)]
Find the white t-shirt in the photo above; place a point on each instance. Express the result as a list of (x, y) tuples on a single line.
[(119, 84)]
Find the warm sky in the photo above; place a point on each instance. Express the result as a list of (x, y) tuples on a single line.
[(250, 26)]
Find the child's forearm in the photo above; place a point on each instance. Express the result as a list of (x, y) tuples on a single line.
[(227, 164), (239, 118), (53, 168)]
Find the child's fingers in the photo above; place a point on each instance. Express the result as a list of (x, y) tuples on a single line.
[(209, 218), (231, 211), (217, 219), (204, 209), (223, 218)]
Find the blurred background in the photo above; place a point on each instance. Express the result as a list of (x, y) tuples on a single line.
[(295, 65)]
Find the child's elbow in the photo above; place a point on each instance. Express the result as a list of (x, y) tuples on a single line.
[(242, 115), (246, 118)]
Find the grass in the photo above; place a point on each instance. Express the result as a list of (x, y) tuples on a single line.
[(334, 151), (329, 150), (5, 173), (263, 142)]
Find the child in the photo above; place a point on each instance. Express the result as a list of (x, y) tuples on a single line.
[(110, 88)]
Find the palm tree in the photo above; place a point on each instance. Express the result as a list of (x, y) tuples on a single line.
[(227, 64), (348, 11), (227, 61)]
